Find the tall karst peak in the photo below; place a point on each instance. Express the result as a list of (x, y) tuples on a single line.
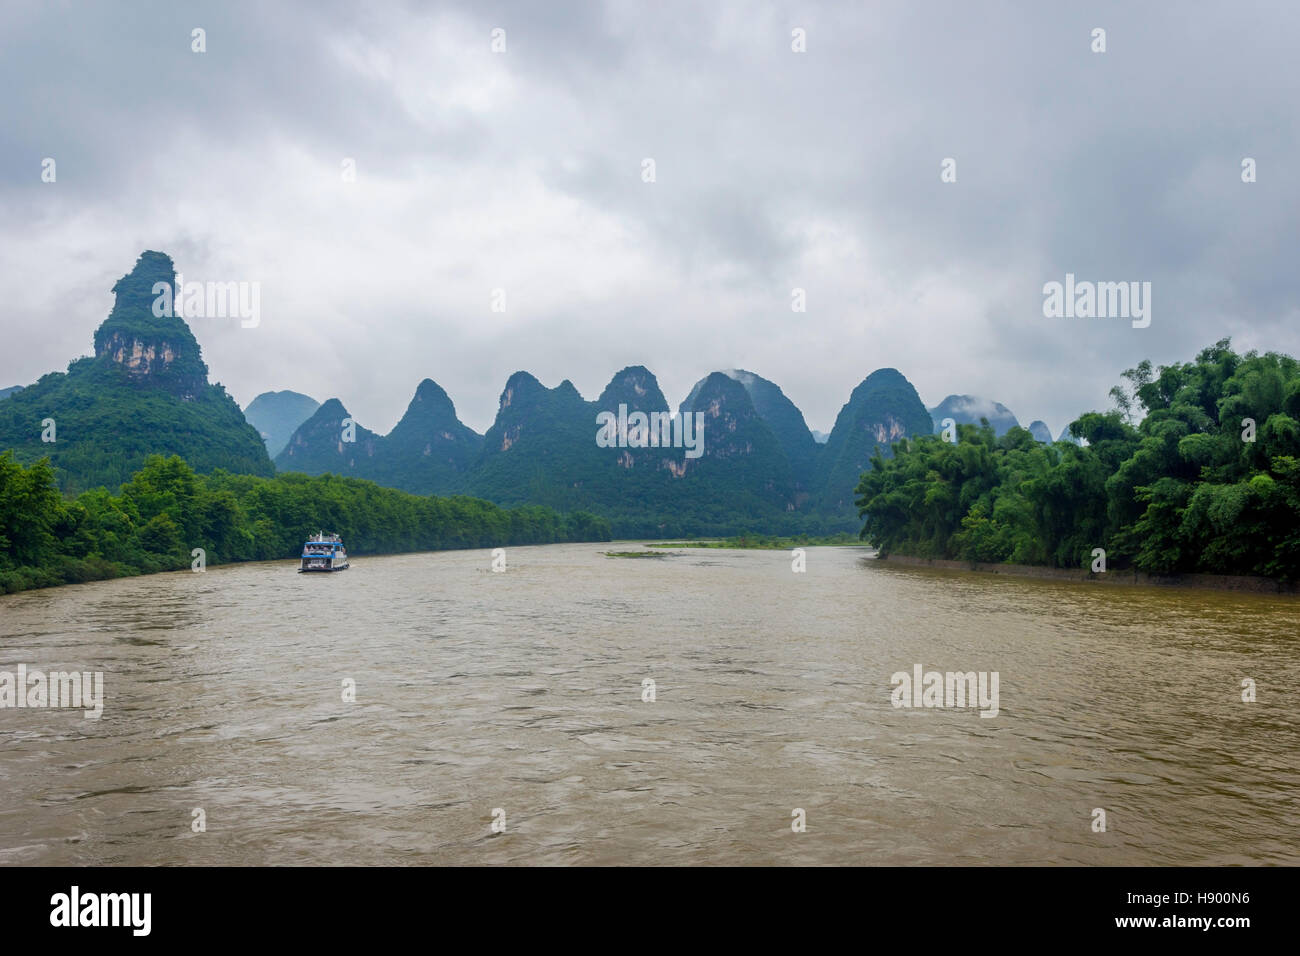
[(637, 388), (429, 403), (883, 409), (786, 422), (151, 343), (429, 430), (145, 391), (521, 387), (736, 438)]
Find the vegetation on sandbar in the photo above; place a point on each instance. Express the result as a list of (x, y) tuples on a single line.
[(764, 542)]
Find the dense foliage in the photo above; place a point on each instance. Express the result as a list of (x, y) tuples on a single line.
[(107, 423), (1193, 487), (166, 510), (764, 542)]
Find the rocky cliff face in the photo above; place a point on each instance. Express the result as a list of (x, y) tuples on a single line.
[(542, 443), (637, 389), (138, 357), (158, 350)]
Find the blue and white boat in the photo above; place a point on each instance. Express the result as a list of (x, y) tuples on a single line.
[(324, 552)]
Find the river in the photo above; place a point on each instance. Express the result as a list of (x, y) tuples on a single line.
[(519, 699)]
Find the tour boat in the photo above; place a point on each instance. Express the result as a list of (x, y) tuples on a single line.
[(324, 552)]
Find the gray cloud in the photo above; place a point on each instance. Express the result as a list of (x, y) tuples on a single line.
[(775, 170)]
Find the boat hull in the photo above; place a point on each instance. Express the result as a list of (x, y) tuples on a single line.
[(310, 565)]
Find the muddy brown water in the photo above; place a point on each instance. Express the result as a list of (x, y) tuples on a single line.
[(522, 692)]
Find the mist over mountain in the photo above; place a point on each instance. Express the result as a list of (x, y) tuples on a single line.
[(969, 409), (144, 391), (11, 390)]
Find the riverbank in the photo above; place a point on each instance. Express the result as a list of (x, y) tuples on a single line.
[(1216, 582)]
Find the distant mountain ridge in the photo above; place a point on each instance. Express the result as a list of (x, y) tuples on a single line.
[(759, 466), (277, 415)]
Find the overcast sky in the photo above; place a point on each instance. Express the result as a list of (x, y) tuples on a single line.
[(774, 170)]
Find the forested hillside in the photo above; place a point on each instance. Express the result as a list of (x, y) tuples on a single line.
[(144, 392)]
